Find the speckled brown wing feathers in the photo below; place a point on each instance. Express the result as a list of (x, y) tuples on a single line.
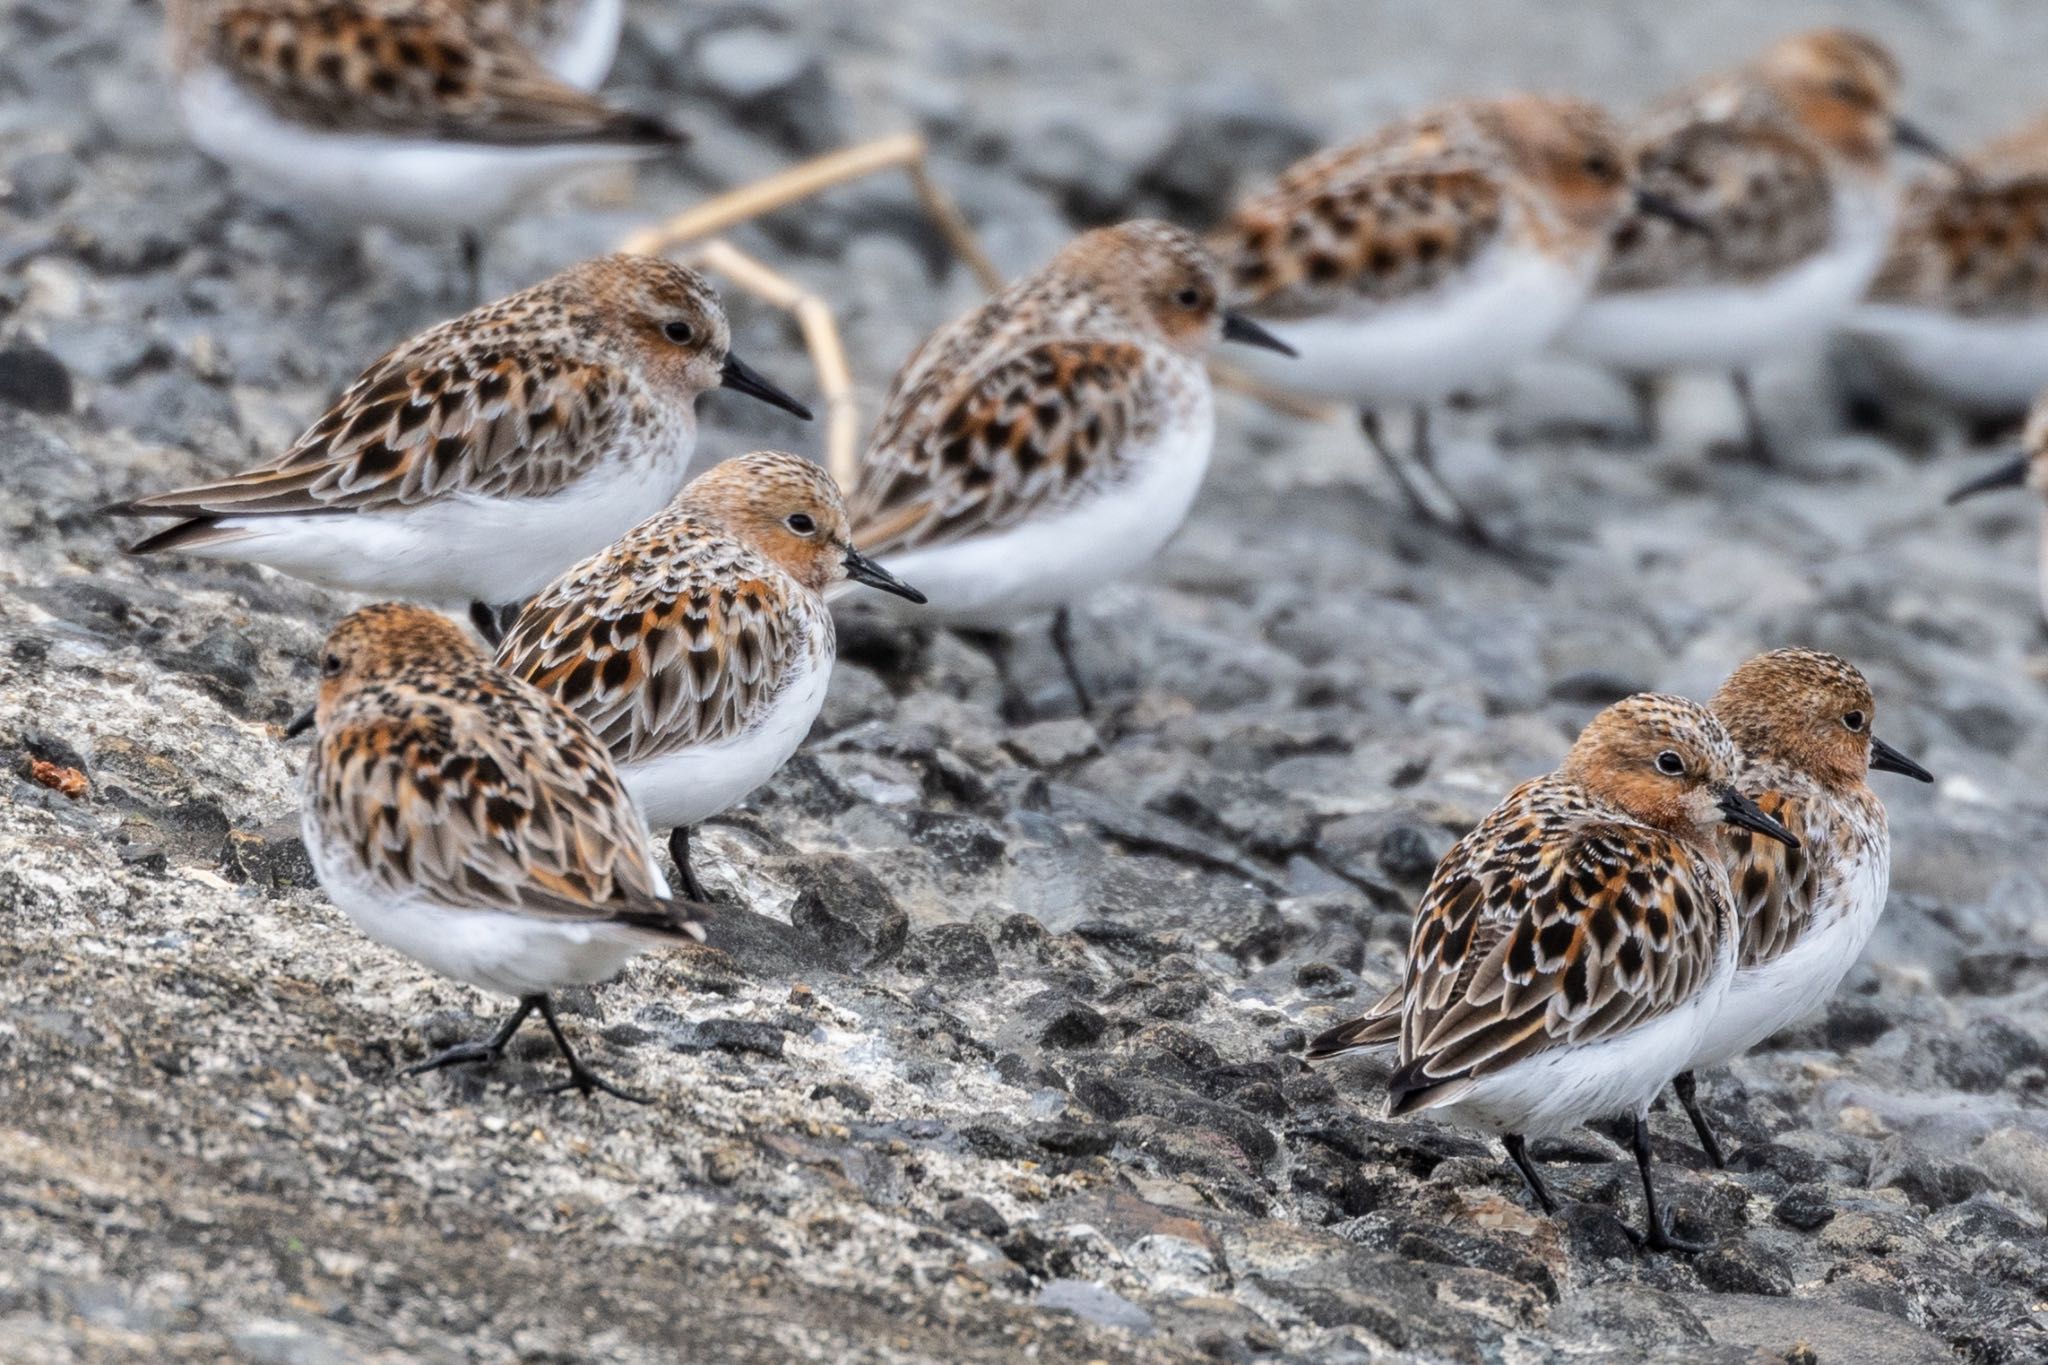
[(1763, 195), (952, 458), (659, 651), (1979, 249), (491, 418), (1347, 227), (410, 67), (483, 797), (1532, 938), (1776, 888)]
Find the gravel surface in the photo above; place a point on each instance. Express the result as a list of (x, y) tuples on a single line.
[(1007, 1067)]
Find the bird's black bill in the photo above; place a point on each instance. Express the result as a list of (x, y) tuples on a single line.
[(301, 723), (741, 377), (861, 569), (1238, 327), (1914, 138), (1657, 206), (2011, 474), (1738, 809), (1885, 759)]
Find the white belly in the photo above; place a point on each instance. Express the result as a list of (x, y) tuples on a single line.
[(1732, 326), (1466, 335), (1989, 364), (495, 950), (1553, 1093), (416, 183), (583, 55), (1767, 997), (683, 788), (1041, 564), (460, 549)]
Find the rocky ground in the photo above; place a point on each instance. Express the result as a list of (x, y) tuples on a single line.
[(1008, 1065)]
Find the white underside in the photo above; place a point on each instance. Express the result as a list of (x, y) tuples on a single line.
[(1554, 1092), (1730, 326), (496, 950), (684, 788), (1466, 335), (584, 56), (1996, 364), (1046, 563), (421, 184), (1765, 998), (462, 548)]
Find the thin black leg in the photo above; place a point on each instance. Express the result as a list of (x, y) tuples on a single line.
[(996, 644), (473, 266), (1463, 520), (1369, 423), (485, 618), (1687, 1088), (1063, 644), (1658, 1236), (679, 849), (581, 1077), (465, 1054), (1756, 438), (1643, 391), (1518, 1153)]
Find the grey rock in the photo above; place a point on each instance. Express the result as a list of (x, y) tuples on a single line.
[(33, 379)]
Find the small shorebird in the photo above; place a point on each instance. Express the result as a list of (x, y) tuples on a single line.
[(1787, 162), (475, 462), (424, 115), (1430, 258), (1053, 439), (1571, 948), (470, 822), (699, 647), (1802, 722)]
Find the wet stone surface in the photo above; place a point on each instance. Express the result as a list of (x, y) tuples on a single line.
[(994, 1052)]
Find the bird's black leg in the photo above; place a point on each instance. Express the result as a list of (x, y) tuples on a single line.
[(996, 644), (1519, 1154), (1756, 438), (1658, 1236), (581, 1077), (1369, 423), (679, 849), (473, 266), (488, 624), (1463, 521), (1642, 390), (1686, 1087), (464, 1054), (1063, 644)]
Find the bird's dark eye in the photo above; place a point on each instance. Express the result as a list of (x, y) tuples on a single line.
[(801, 523), (330, 667), (1848, 92), (1188, 298), (1670, 764), (681, 333), (1602, 166), (1855, 720)]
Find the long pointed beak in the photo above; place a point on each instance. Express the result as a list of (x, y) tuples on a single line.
[(861, 569), (1738, 809), (1237, 327), (1914, 138), (741, 377), (1885, 759), (301, 723), (1657, 206), (2011, 474)]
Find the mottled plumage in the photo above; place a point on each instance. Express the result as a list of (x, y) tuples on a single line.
[(466, 819), (699, 646), (479, 459), (1431, 257), (577, 39), (1054, 438), (1568, 949), (1786, 162)]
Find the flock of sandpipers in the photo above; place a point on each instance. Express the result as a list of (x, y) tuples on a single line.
[(1691, 879)]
